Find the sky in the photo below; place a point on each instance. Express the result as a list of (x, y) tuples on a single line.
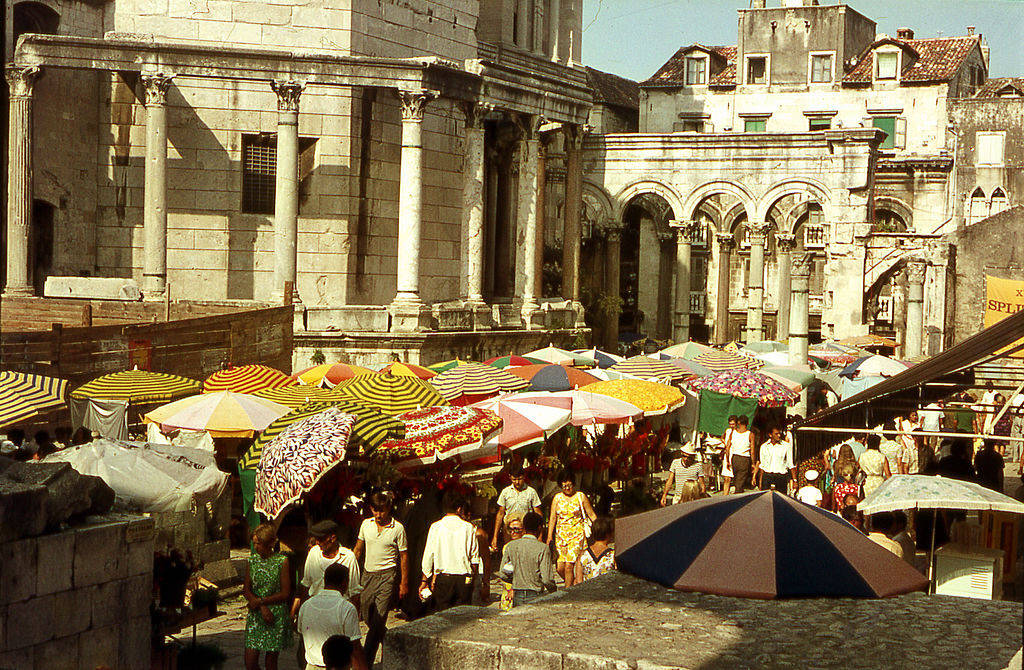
[(633, 38)]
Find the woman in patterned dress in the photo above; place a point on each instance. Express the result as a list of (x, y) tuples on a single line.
[(570, 514), (599, 557), (267, 589)]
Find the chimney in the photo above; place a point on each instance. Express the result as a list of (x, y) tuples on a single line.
[(970, 30), (905, 33), (757, 4)]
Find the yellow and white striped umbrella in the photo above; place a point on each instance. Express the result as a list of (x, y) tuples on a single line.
[(222, 414), (24, 395)]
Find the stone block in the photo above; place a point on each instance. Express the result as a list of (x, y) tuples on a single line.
[(221, 572), (140, 529), (133, 648), (218, 550), (69, 494), (521, 658), (99, 554), (71, 615), (55, 562), (105, 601), (575, 661), (29, 623), (18, 573), (60, 654), (17, 659), (410, 318), (96, 288), (22, 510), (139, 558), (136, 595), (453, 317), (98, 647)]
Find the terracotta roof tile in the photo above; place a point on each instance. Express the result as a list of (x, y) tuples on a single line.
[(992, 87), (614, 90), (938, 59), (673, 72)]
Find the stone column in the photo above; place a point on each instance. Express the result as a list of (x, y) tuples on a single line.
[(473, 201), (407, 300), (757, 232), (154, 227), (798, 319), (613, 282), (20, 81), (526, 218), (784, 243), (914, 333), (286, 195), (726, 242), (542, 181), (573, 205), (666, 283), (555, 28), (684, 246)]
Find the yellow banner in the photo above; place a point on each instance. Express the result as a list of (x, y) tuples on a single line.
[(1003, 297)]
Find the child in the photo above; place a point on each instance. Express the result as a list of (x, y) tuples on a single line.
[(599, 557), (267, 589)]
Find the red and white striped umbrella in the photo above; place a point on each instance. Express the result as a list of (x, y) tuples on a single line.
[(525, 423)]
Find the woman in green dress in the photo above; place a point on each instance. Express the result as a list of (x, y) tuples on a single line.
[(267, 590)]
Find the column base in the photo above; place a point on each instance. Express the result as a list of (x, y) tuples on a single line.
[(19, 292), (533, 317), (410, 317)]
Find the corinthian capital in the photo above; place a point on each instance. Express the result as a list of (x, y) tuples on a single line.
[(156, 86), (414, 102), (758, 228), (786, 241), (686, 230), (288, 93), (726, 241), (916, 269), (476, 112), (20, 80), (802, 265)]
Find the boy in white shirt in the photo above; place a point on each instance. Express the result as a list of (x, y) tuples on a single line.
[(809, 493), (328, 613)]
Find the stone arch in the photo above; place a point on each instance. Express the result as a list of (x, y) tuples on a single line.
[(731, 217), (35, 17), (598, 199), (701, 193), (627, 194), (887, 267), (897, 207), (810, 187)]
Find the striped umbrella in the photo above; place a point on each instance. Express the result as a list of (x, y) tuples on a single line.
[(392, 394), (370, 429), (221, 414), (525, 423), (747, 384), (804, 551), (23, 396), (439, 433), (139, 386), (553, 377), (687, 350), (648, 368), (603, 358), (721, 361), (329, 374), (409, 370), (475, 379), (446, 365), (558, 356), (651, 397), (246, 379), (298, 395), (588, 409), (295, 460), (512, 361)]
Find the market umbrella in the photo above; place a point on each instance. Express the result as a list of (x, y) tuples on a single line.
[(648, 368), (553, 377), (869, 341), (447, 365), (550, 354), (759, 545), (835, 354), (721, 361), (525, 423), (747, 384), (438, 433), (764, 347), (691, 368), (330, 374), (138, 386), (370, 429), (298, 395), (221, 414), (392, 394), (511, 361), (800, 374), (773, 358), (409, 370), (476, 379), (651, 397), (588, 409), (687, 350), (246, 379), (292, 463), (603, 358), (608, 374), (874, 365), (793, 386), (24, 395)]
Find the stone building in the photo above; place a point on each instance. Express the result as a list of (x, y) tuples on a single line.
[(377, 163), (812, 137)]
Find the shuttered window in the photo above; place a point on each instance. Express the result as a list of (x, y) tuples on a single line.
[(990, 148)]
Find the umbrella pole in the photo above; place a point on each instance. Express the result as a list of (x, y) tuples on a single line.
[(931, 553)]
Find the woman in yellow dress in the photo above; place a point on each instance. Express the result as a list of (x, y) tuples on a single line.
[(571, 513)]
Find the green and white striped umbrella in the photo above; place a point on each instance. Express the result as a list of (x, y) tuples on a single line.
[(24, 395)]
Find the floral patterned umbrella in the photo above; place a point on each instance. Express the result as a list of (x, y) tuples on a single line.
[(438, 433), (747, 384), (294, 462)]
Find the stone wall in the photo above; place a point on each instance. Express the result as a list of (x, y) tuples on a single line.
[(78, 598), (202, 531)]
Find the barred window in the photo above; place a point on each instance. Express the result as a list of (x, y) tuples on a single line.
[(259, 173)]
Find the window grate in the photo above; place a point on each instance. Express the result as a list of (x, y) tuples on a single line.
[(259, 173), (814, 236)]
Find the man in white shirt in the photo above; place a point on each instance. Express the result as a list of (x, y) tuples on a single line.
[(386, 569), (809, 493), (325, 553), (328, 613), (516, 498), (931, 421), (451, 556)]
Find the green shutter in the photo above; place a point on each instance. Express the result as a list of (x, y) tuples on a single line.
[(888, 124), (754, 125)]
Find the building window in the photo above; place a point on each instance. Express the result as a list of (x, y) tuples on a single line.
[(821, 69), (888, 124), (757, 69), (887, 63), (696, 71), (819, 123), (977, 207), (690, 126), (990, 148), (754, 125), (259, 173), (998, 202)]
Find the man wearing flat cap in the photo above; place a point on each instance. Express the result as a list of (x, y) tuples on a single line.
[(326, 552)]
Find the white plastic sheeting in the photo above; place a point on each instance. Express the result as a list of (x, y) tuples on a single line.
[(149, 477)]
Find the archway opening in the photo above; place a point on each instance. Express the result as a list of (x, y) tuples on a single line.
[(888, 221), (40, 243), (647, 269), (34, 17)]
